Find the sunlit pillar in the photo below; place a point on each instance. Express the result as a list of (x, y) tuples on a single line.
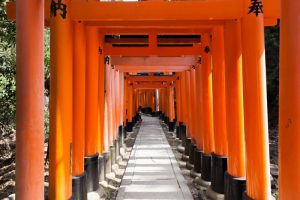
[(78, 137), (235, 181), (198, 126), (60, 138), (206, 108), (91, 111), (258, 184), (289, 98), (219, 157), (30, 101)]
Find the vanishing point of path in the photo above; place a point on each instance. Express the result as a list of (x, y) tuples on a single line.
[(152, 171)]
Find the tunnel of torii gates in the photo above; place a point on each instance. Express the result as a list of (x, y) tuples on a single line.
[(211, 58)]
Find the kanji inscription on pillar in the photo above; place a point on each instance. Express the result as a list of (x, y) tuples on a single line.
[(58, 6), (256, 7)]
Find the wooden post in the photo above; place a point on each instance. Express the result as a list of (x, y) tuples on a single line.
[(255, 105), (206, 95), (178, 100), (101, 96), (30, 100), (188, 103), (78, 99), (219, 102), (91, 105), (234, 104), (92, 67), (289, 107), (206, 108), (60, 172), (199, 112), (193, 102), (219, 157)]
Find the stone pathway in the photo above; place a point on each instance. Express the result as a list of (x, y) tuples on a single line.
[(152, 171)]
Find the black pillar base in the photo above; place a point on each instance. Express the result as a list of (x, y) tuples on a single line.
[(79, 190), (246, 197), (171, 126), (182, 134), (121, 135), (218, 169), (197, 160), (92, 173), (192, 153), (167, 120), (234, 187), (162, 116), (101, 168), (129, 126), (177, 131), (188, 142), (206, 167)]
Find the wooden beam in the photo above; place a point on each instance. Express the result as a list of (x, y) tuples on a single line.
[(151, 68), (149, 86), (163, 30), (154, 51), (145, 40), (151, 78), (144, 11), (166, 10), (154, 61)]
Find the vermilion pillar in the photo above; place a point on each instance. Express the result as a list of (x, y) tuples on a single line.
[(183, 97), (60, 106), (92, 66), (199, 116), (206, 95), (255, 105), (125, 106), (207, 108), (219, 159), (193, 100), (130, 106), (198, 108), (236, 171), (112, 103), (78, 136), (78, 99), (106, 111), (101, 96), (109, 103), (171, 108), (188, 102), (219, 102), (178, 99), (91, 108), (234, 100), (30, 100), (289, 107)]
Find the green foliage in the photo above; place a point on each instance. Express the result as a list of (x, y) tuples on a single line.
[(272, 63), (7, 68)]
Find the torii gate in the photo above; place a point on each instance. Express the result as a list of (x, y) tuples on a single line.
[(82, 22)]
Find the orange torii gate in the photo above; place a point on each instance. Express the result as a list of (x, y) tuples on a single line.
[(83, 100)]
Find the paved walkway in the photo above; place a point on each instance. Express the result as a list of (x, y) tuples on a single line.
[(152, 171)]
